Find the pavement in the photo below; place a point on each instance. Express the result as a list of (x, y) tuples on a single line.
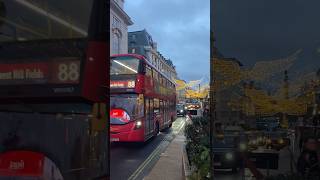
[(170, 165)]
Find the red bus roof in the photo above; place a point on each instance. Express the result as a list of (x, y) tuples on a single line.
[(138, 56)]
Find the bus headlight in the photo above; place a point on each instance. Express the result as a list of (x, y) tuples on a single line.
[(229, 156), (138, 124)]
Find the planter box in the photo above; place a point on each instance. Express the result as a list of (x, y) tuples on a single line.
[(188, 169)]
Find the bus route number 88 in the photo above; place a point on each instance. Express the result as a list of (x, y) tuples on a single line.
[(68, 72)]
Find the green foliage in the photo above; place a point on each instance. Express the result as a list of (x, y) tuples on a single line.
[(197, 136)]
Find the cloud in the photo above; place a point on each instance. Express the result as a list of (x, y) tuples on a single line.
[(181, 29)]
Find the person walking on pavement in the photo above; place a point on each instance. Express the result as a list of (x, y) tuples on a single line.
[(206, 113), (301, 139), (188, 116), (308, 162)]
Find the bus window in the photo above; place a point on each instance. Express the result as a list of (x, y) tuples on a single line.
[(151, 116), (161, 108), (166, 111), (155, 75), (131, 103), (156, 106), (148, 71), (147, 116), (124, 65), (160, 79)]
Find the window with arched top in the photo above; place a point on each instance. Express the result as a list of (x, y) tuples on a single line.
[(116, 43)]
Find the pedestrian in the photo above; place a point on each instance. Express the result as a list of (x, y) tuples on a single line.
[(308, 161), (188, 116), (301, 136), (206, 113)]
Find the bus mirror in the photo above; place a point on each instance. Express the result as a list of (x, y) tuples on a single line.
[(99, 117)]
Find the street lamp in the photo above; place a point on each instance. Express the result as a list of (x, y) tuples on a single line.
[(212, 103)]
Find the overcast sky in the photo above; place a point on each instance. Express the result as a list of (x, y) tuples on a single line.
[(258, 30), (181, 29)]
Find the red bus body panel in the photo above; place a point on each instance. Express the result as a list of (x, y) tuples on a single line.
[(127, 133), (21, 163)]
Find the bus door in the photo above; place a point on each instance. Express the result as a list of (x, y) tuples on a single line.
[(149, 116), (161, 113), (165, 104), (155, 113)]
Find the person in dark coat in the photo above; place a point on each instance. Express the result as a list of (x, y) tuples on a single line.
[(301, 139), (206, 113), (308, 162)]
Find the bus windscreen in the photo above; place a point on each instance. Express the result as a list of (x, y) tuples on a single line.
[(124, 65)]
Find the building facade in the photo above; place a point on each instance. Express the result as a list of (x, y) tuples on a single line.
[(119, 22), (223, 96), (140, 42)]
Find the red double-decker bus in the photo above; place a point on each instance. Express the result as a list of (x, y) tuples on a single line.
[(53, 86), (142, 99)]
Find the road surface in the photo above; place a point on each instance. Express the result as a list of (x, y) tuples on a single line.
[(134, 161)]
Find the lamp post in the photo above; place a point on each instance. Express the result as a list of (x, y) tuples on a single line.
[(212, 104)]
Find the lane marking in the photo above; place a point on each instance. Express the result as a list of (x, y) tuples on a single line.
[(181, 127), (147, 161)]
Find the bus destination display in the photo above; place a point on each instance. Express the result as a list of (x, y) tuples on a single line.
[(66, 71)]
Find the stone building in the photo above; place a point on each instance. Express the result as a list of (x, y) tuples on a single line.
[(140, 42), (119, 22)]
